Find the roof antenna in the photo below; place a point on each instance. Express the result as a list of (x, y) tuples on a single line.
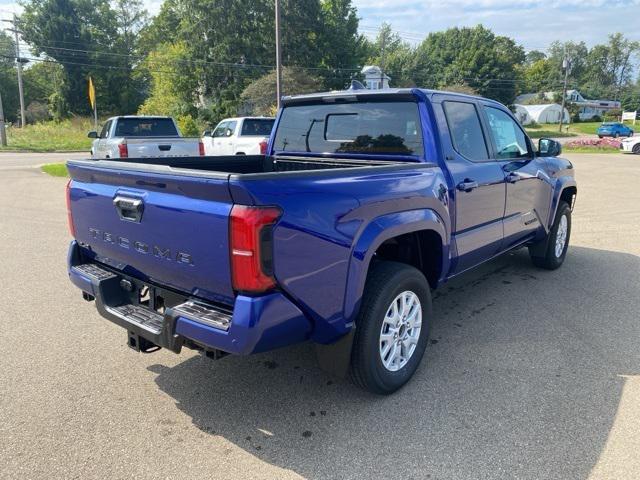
[(357, 85)]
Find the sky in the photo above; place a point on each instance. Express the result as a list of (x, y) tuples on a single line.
[(534, 24)]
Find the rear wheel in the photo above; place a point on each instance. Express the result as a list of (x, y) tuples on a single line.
[(636, 149), (392, 328), (557, 241)]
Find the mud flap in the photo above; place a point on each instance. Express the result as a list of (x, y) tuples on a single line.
[(335, 358)]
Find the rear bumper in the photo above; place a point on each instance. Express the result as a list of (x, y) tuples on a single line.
[(255, 324)]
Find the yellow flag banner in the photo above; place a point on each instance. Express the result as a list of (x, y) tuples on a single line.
[(92, 94)]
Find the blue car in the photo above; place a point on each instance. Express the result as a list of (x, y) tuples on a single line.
[(614, 129)]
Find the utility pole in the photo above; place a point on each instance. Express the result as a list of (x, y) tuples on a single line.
[(3, 131), (382, 42), (566, 64), (19, 62), (278, 56)]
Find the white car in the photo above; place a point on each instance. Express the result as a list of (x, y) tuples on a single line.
[(135, 136), (239, 136), (631, 144)]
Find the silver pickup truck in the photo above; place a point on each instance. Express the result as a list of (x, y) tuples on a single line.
[(133, 136)]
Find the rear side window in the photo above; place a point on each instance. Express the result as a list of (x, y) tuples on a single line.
[(146, 127), (257, 127), (465, 130), (376, 127), (510, 141)]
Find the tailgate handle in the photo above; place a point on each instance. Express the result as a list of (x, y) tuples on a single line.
[(129, 209), (164, 148)]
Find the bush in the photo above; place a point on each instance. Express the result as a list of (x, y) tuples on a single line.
[(188, 126), (36, 112), (596, 118)]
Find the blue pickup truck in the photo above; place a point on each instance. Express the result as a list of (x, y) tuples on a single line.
[(365, 202)]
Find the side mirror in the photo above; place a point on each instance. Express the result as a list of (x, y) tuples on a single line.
[(549, 148), (92, 134), (229, 132), (206, 133)]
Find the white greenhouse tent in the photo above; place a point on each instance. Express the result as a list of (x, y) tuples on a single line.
[(522, 115), (548, 113)]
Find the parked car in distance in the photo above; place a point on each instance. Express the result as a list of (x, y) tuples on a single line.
[(239, 136), (134, 136), (631, 145), (366, 201), (614, 129)]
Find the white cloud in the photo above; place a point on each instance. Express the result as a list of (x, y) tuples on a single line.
[(532, 23)]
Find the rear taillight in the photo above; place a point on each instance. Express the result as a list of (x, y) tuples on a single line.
[(263, 147), (251, 239), (123, 151), (201, 148), (72, 228)]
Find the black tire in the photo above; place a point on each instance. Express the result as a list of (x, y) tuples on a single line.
[(599, 136), (549, 260), (636, 149), (385, 281)]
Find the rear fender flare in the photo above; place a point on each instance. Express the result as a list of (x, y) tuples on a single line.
[(373, 235)]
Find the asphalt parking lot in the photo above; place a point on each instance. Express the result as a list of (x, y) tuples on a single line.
[(530, 374)]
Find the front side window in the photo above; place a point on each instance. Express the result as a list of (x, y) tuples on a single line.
[(373, 127), (220, 129), (466, 132), (231, 127), (105, 129), (510, 141)]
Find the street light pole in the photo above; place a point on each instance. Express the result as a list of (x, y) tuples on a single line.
[(278, 56)]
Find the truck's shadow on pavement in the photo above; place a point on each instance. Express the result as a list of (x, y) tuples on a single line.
[(521, 380)]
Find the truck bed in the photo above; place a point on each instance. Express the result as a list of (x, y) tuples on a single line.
[(236, 164)]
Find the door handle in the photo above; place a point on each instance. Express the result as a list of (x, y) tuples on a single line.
[(513, 177), (467, 185)]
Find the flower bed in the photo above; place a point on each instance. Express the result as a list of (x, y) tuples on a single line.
[(605, 143)]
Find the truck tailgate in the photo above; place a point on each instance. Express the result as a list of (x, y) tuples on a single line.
[(164, 227), (146, 147)]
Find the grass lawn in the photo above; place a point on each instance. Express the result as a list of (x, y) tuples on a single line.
[(55, 169), (539, 132), (65, 136)]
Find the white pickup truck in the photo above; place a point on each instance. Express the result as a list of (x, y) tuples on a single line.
[(136, 136), (239, 136)]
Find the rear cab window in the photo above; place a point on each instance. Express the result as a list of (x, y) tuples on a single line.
[(363, 127), (465, 130), (257, 127), (146, 127)]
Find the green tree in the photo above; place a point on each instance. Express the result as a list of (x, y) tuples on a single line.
[(88, 38), (8, 78), (259, 98), (172, 88), (476, 57), (396, 56)]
